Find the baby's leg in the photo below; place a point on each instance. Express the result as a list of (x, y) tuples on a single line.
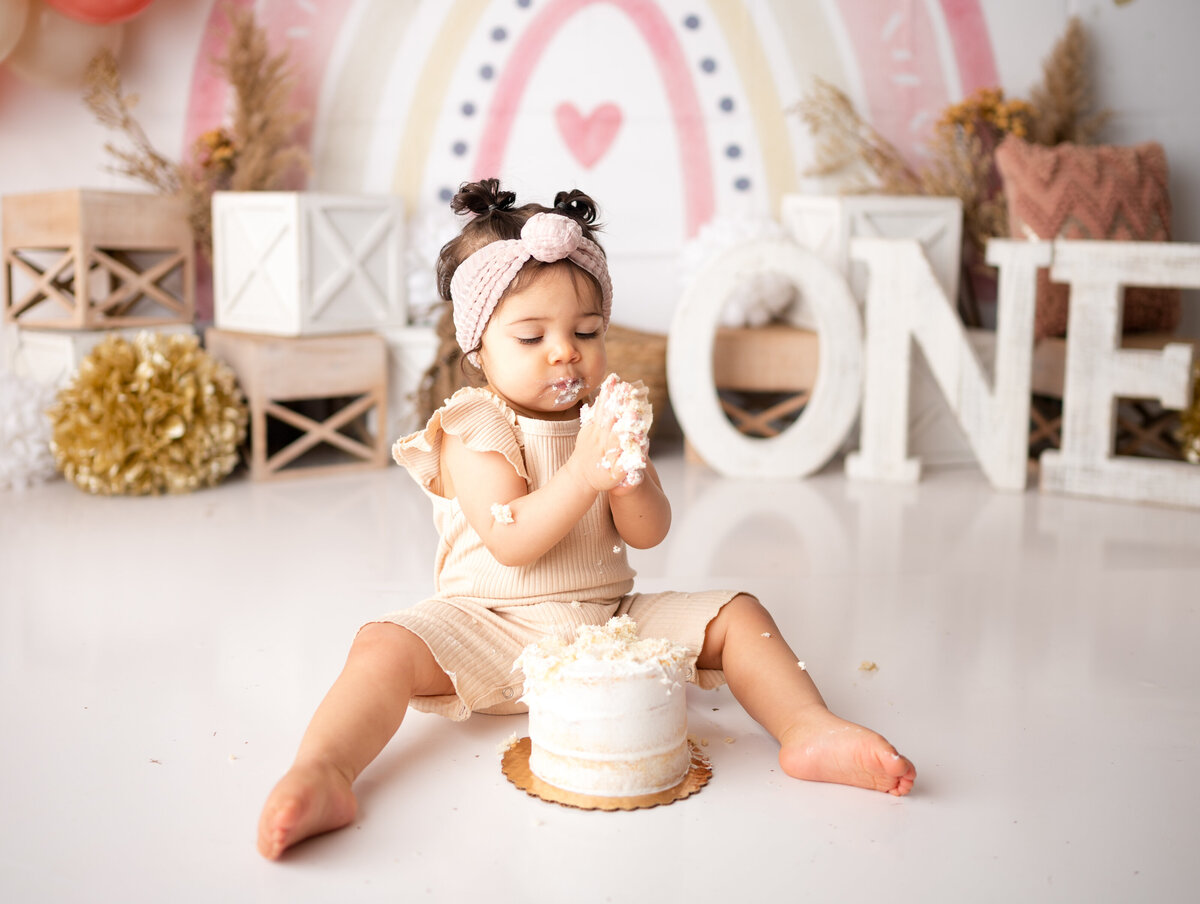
[(387, 665), (763, 674)]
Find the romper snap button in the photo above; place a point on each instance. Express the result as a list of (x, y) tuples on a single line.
[(508, 693)]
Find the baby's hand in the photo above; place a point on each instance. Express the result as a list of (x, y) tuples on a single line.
[(623, 411), (594, 457)]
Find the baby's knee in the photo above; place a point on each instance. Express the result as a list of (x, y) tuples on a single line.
[(386, 645), (381, 637), (745, 608), (398, 650), (741, 615)]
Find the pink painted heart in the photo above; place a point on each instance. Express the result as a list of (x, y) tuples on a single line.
[(588, 137)]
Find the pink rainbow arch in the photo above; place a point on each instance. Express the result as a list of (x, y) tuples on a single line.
[(972, 44), (899, 88), (321, 22), (673, 69)]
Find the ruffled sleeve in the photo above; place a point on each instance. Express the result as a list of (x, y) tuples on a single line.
[(479, 418)]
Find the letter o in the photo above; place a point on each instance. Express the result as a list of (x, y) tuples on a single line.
[(806, 445)]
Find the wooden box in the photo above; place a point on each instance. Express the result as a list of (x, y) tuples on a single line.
[(306, 263), (1143, 426), (411, 352), (777, 361), (86, 259), (53, 357), (324, 395), (825, 224)]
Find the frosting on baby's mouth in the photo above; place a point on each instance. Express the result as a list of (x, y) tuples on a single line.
[(567, 390)]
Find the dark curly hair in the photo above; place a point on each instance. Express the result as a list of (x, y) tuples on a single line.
[(495, 217)]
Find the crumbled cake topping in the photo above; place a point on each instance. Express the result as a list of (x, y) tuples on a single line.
[(567, 390), (615, 644), (629, 406)]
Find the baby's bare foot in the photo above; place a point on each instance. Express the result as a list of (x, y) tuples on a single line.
[(826, 748), (309, 800)]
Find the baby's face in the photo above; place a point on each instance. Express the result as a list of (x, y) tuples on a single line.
[(543, 349)]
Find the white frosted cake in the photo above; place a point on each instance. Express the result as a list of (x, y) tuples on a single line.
[(607, 712)]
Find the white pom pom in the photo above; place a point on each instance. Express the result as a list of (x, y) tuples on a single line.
[(760, 298), (25, 456)]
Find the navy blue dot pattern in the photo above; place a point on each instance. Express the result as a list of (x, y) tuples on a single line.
[(707, 65)]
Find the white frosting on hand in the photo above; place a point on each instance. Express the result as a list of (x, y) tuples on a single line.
[(628, 405)]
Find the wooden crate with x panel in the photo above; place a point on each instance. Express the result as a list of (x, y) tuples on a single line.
[(83, 259)]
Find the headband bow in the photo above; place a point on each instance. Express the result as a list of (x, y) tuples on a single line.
[(481, 279)]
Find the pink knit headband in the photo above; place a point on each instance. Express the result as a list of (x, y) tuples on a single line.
[(481, 279)]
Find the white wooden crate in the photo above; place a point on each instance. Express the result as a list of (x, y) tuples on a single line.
[(825, 224), (308, 263), (53, 357), (410, 353)]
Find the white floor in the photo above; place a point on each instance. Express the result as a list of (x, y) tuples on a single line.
[(1036, 657)]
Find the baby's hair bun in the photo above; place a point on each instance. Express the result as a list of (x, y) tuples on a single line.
[(576, 205), (481, 198)]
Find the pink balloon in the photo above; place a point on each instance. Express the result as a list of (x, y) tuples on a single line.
[(100, 12), (54, 51)]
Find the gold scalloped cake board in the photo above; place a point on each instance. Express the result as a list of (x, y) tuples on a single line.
[(515, 765)]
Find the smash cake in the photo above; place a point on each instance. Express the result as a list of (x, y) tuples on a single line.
[(608, 711)]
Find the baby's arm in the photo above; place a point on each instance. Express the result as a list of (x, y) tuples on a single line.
[(642, 513), (623, 413), (539, 519)]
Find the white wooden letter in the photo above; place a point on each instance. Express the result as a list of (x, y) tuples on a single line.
[(1099, 371), (817, 434), (905, 303)]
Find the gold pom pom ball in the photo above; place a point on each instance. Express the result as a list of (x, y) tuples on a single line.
[(1188, 433), (158, 414)]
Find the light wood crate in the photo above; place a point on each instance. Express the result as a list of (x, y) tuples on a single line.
[(346, 373), (86, 259), (1143, 426)]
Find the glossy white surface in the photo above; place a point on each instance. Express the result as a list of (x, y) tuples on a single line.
[(1036, 659)]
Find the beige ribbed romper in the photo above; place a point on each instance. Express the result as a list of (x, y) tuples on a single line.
[(483, 613)]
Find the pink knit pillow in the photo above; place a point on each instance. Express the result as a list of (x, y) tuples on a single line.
[(1077, 192)]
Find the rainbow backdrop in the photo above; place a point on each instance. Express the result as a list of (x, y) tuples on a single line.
[(902, 61)]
